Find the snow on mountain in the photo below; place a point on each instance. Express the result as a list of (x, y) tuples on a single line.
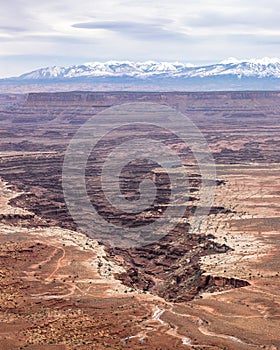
[(263, 61), (258, 68), (110, 68)]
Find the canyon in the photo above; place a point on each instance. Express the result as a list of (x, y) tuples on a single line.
[(219, 289)]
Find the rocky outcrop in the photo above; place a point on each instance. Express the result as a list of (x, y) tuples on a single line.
[(37, 131), (170, 267)]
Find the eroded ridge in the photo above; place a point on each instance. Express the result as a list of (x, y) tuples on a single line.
[(63, 290)]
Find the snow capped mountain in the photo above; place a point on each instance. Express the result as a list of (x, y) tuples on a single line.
[(230, 74), (258, 68), (110, 68), (263, 61)]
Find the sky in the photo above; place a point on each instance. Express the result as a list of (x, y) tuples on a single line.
[(36, 34)]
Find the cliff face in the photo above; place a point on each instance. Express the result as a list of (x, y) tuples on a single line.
[(170, 268), (104, 98), (38, 130)]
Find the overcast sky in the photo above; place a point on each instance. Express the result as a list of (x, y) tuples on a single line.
[(36, 33)]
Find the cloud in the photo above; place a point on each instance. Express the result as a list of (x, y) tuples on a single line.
[(15, 17), (190, 31), (237, 19), (144, 31), (12, 29)]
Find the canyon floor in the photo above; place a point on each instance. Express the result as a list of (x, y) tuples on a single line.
[(60, 289)]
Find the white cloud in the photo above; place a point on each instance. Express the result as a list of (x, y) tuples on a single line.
[(75, 31)]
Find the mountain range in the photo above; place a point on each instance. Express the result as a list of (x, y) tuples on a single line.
[(230, 74)]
